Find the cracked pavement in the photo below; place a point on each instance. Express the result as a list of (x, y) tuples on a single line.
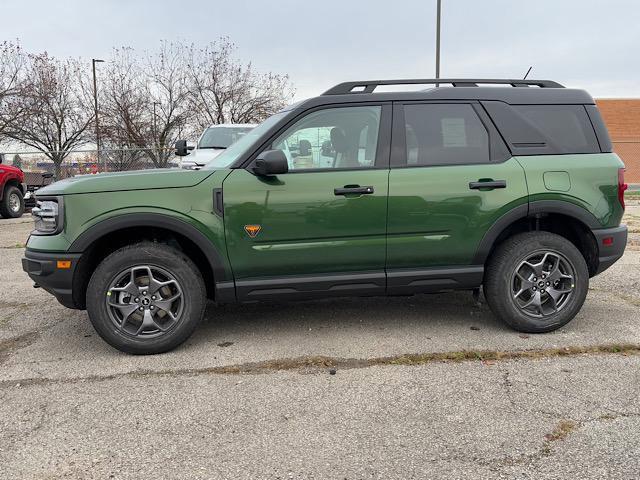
[(72, 407)]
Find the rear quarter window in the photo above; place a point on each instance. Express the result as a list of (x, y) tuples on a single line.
[(566, 126), (544, 129)]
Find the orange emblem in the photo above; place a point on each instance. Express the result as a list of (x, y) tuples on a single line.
[(252, 230)]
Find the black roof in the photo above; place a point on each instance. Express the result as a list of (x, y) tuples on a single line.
[(514, 91)]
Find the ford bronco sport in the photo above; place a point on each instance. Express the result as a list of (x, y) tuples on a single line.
[(512, 187)]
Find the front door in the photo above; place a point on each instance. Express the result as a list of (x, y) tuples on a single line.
[(320, 228)]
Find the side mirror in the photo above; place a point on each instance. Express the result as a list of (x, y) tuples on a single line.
[(271, 162), (182, 149)]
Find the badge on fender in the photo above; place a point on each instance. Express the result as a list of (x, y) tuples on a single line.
[(252, 230)]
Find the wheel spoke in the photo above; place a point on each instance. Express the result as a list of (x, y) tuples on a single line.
[(166, 303), (535, 267), (148, 322), (520, 292), (158, 285), (129, 288), (538, 268), (555, 266), (552, 299), (126, 310), (559, 291), (534, 301)]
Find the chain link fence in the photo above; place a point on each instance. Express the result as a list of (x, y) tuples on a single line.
[(88, 162)]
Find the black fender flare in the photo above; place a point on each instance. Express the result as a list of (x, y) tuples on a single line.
[(225, 286), (530, 210)]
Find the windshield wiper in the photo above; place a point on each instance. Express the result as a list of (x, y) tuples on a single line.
[(214, 146)]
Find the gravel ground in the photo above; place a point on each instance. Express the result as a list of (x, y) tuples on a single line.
[(73, 407)]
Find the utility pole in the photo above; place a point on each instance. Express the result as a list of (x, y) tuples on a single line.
[(95, 104), (156, 145), (438, 15)]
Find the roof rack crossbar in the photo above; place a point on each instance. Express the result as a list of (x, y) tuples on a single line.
[(368, 86)]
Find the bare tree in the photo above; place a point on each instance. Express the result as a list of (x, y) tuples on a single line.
[(123, 106), (225, 91), (122, 158), (12, 62), (56, 101), (147, 100)]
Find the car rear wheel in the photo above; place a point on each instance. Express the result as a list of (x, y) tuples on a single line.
[(12, 203), (146, 298), (536, 282)]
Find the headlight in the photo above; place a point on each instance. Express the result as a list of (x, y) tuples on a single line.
[(48, 216)]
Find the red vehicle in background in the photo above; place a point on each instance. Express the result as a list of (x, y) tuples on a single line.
[(12, 190)]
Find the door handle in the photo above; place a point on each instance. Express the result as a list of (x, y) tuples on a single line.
[(488, 184), (351, 189)]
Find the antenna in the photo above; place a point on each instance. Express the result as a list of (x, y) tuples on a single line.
[(527, 74)]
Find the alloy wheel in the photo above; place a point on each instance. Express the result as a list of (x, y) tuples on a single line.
[(145, 301), (543, 283)]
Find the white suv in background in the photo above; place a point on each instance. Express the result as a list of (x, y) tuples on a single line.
[(213, 141)]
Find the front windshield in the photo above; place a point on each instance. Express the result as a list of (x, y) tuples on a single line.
[(232, 153), (221, 137)]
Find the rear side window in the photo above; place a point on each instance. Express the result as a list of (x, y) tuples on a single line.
[(544, 129), (566, 126), (444, 134)]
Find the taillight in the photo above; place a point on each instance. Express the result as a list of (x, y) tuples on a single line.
[(621, 187)]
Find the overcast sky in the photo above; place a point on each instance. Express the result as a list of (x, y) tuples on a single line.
[(592, 44)]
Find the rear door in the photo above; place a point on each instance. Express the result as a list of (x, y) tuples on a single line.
[(451, 178), (320, 228)]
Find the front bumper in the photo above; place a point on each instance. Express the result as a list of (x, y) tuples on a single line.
[(611, 244), (42, 268)]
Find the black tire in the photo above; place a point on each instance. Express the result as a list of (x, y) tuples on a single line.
[(8, 208), (500, 276), (158, 257)]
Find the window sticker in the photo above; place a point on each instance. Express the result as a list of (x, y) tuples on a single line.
[(453, 132)]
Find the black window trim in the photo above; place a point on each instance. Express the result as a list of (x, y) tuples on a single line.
[(382, 150), (600, 129), (498, 151)]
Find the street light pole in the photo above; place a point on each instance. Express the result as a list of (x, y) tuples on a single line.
[(438, 15), (95, 104), (155, 132)]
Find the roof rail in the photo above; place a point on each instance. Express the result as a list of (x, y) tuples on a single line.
[(368, 86)]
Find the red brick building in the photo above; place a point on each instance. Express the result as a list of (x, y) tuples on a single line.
[(622, 116)]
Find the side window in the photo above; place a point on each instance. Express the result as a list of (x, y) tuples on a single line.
[(344, 137), (566, 126), (444, 134)]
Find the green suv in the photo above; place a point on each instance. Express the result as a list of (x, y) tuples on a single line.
[(511, 186)]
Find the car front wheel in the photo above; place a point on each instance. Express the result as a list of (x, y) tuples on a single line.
[(146, 298)]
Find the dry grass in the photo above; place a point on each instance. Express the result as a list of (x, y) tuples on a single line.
[(314, 364), (559, 433)]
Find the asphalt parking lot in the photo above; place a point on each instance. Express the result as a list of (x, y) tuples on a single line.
[(430, 386)]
